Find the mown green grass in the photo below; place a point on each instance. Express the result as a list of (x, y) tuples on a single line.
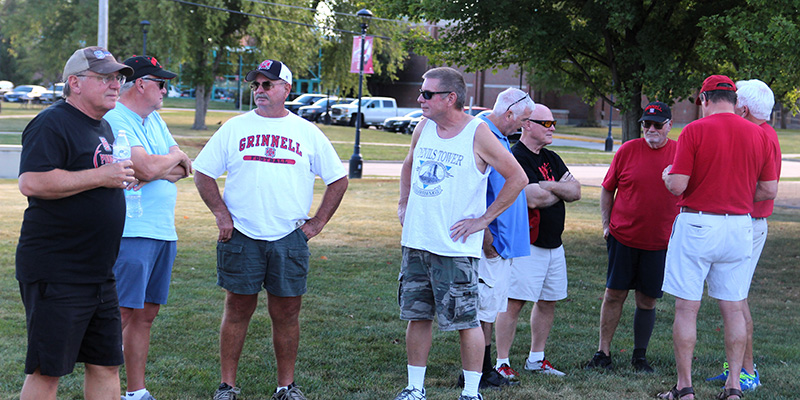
[(353, 343)]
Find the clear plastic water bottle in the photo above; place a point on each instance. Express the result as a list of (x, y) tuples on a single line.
[(122, 152)]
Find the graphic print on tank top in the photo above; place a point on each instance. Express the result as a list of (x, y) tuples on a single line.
[(433, 167)]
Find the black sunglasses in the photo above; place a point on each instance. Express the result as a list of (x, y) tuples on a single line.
[(161, 82), (267, 85), (546, 124), (657, 125), (512, 104), (427, 94)]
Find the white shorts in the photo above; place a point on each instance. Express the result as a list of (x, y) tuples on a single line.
[(539, 276), (716, 249), (493, 281), (760, 230)]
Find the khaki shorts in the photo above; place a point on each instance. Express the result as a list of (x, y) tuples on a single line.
[(445, 287)]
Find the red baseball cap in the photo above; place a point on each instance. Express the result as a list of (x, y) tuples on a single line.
[(716, 82)]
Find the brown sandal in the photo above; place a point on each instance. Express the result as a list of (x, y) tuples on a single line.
[(728, 392), (675, 394)]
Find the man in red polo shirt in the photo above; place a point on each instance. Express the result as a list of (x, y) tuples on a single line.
[(637, 213), (723, 164), (755, 102)]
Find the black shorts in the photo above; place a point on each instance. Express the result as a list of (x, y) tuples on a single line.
[(632, 268), (69, 323)]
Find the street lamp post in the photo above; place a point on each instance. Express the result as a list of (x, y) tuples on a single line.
[(145, 24), (610, 139), (356, 163)]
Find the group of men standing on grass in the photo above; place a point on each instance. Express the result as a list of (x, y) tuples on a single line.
[(482, 224)]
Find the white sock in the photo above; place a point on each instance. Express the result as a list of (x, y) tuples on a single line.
[(536, 356), (279, 388), (135, 395), (501, 361), (416, 377), (471, 381)]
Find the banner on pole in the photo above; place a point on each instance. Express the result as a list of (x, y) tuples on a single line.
[(356, 55)]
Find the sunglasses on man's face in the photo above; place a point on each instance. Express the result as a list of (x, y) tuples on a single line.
[(267, 85), (546, 124), (657, 125), (427, 94), (161, 82)]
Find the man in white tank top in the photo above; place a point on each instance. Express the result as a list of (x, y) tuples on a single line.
[(443, 212)]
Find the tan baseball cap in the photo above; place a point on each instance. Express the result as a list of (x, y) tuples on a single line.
[(95, 59)]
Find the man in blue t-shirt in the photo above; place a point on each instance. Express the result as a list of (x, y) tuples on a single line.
[(148, 246), (505, 239)]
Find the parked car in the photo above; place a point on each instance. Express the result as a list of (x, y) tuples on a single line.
[(399, 124), (374, 110), (25, 93), (315, 111), (304, 99), (475, 110), (5, 86), (54, 93)]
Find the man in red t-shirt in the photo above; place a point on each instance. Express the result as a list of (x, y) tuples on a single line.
[(637, 213), (722, 165), (755, 102)]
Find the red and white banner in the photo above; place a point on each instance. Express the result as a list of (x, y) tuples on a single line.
[(356, 57)]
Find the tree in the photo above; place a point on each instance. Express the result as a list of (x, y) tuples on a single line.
[(759, 40), (598, 48)]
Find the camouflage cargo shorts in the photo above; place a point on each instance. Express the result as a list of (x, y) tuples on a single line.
[(446, 287)]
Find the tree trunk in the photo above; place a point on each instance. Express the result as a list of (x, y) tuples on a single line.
[(784, 113), (201, 97), (630, 118)]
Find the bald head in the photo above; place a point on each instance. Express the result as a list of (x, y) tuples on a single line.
[(542, 113)]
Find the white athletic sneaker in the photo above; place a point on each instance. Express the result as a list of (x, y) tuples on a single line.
[(542, 367)]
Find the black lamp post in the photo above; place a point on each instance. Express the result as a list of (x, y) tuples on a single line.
[(610, 139), (145, 24), (355, 160)]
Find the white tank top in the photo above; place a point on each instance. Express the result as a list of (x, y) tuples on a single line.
[(446, 187)]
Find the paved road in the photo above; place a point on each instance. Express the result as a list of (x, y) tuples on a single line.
[(592, 175)]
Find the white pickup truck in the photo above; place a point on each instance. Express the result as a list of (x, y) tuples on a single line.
[(374, 111)]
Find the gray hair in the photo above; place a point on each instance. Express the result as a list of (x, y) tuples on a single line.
[(125, 87), (757, 96), (514, 100), (450, 80), (67, 91)]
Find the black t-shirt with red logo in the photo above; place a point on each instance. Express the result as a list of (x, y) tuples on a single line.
[(545, 166), (74, 239)]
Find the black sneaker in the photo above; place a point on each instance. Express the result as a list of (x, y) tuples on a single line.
[(493, 380), (600, 360), (641, 365), (489, 380)]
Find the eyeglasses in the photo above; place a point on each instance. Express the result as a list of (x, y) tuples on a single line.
[(657, 125), (106, 79), (546, 124), (161, 82), (512, 104), (427, 94), (267, 85)]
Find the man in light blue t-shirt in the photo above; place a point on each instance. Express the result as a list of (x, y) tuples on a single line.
[(148, 246)]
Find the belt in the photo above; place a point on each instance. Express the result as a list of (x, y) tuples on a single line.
[(693, 211)]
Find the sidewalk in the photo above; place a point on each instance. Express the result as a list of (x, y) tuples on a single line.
[(592, 175)]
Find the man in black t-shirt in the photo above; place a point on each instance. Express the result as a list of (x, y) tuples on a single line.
[(71, 232), (542, 276)]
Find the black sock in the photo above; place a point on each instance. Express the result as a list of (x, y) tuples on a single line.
[(643, 323), (487, 359)]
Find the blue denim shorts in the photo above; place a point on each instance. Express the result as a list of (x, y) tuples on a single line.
[(245, 265)]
